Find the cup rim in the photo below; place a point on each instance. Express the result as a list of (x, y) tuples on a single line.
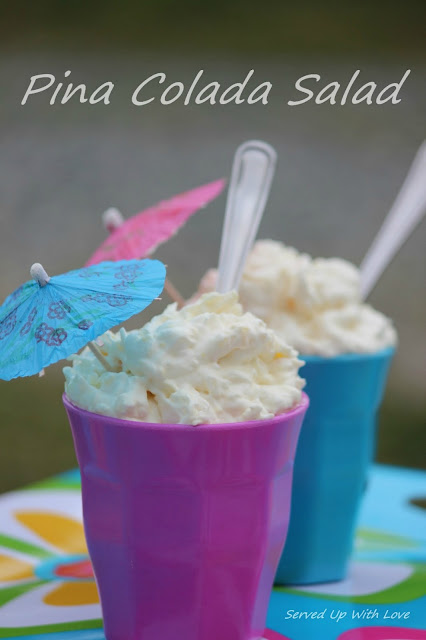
[(222, 426), (348, 357)]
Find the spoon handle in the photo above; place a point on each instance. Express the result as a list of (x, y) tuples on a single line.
[(252, 173), (405, 214)]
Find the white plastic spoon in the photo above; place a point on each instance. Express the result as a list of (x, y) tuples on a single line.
[(251, 178), (405, 214)]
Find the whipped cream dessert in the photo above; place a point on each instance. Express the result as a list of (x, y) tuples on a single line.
[(207, 363), (313, 304)]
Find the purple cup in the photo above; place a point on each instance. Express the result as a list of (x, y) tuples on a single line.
[(185, 525)]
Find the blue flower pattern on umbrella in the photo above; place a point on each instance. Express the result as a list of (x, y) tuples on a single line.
[(27, 326), (85, 324), (7, 325), (42, 332), (52, 337), (56, 337), (58, 310), (86, 273), (111, 299), (126, 274)]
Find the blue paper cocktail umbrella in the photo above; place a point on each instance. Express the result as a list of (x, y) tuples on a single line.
[(48, 319)]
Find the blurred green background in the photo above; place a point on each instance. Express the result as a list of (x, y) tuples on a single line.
[(338, 173)]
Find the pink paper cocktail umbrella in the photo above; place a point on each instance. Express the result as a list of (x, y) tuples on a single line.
[(140, 235)]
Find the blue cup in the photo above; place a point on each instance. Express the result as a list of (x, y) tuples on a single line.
[(336, 447)]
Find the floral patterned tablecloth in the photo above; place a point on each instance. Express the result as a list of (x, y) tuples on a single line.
[(47, 587)]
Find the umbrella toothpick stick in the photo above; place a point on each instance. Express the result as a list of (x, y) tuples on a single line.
[(96, 352), (173, 293), (112, 218)]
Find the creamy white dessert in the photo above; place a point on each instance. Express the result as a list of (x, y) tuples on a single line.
[(313, 304), (207, 363)]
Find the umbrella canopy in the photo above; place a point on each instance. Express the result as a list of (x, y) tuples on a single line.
[(48, 319), (141, 234)]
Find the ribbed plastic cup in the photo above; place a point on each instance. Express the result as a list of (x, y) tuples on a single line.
[(335, 450), (185, 525)]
